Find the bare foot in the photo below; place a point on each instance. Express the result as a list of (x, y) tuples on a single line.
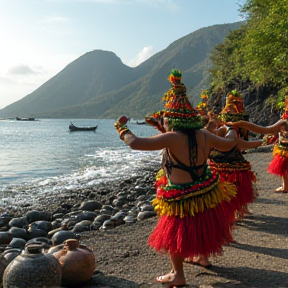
[(281, 190), (171, 280), (167, 278), (202, 261), (199, 261)]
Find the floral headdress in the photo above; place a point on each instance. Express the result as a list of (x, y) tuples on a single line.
[(180, 113), (234, 109)]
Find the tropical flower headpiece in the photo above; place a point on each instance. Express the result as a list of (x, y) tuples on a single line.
[(177, 108), (234, 108)]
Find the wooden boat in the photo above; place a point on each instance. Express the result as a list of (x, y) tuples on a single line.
[(25, 119), (73, 128)]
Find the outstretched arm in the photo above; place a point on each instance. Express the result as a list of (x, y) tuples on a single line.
[(156, 142), (273, 129), (220, 143), (245, 145)]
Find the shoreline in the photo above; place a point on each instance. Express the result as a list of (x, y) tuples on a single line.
[(103, 192), (259, 258)]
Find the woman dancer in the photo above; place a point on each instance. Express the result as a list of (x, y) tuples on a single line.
[(191, 200), (279, 164)]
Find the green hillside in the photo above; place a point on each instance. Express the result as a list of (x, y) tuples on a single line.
[(99, 85)]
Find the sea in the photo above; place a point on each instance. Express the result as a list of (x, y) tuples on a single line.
[(43, 157)]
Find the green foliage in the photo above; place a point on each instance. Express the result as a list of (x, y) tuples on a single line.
[(258, 51), (280, 105)]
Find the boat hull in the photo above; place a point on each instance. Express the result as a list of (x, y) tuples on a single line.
[(75, 128)]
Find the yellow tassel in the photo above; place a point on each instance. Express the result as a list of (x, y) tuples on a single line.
[(193, 205), (280, 151)]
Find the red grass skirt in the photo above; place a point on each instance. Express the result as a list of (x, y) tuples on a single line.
[(195, 219), (203, 234), (245, 181), (279, 164)]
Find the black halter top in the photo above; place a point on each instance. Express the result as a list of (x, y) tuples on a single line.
[(170, 161)]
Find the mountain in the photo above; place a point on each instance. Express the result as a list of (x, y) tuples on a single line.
[(99, 85)]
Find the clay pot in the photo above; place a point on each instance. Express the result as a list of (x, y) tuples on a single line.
[(32, 268), (78, 263), (3, 264)]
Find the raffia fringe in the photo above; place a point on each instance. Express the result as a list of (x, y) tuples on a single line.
[(224, 191), (280, 151)]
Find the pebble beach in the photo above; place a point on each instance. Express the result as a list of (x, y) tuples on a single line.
[(114, 220)]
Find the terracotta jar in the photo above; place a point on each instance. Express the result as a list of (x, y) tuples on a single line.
[(32, 268), (78, 263)]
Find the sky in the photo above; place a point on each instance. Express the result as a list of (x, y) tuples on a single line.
[(39, 38)]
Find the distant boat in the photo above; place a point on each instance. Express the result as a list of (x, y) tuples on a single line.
[(73, 128), (136, 121), (25, 119), (140, 122)]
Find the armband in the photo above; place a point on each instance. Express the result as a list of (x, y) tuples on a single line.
[(121, 129)]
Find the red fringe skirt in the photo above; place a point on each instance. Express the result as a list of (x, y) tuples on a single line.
[(203, 234), (188, 235), (279, 164), (243, 178)]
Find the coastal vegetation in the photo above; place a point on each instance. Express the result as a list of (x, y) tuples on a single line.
[(254, 58)]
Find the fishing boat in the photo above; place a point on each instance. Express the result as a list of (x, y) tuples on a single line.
[(25, 119), (73, 128)]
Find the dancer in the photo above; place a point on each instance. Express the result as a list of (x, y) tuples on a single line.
[(231, 165), (191, 200), (279, 164)]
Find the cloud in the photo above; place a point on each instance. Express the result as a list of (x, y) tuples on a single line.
[(142, 56), (22, 69)]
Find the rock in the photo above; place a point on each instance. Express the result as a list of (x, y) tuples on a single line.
[(43, 225), (18, 243), (34, 232), (146, 215), (5, 220), (34, 216), (102, 218), (19, 222), (95, 225), (61, 236), (90, 205), (86, 215), (141, 190), (82, 226), (18, 232), (130, 219), (118, 219), (5, 238), (146, 207), (57, 215), (107, 225)]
